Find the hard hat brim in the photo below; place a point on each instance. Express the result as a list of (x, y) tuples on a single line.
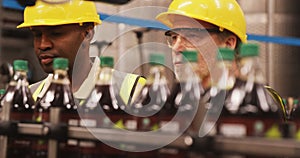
[(54, 23), (165, 19)]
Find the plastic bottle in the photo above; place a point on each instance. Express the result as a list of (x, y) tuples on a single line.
[(57, 99), (103, 109), (110, 101), (21, 105), (255, 113), (185, 95), (18, 93), (222, 82), (153, 96), (226, 81)]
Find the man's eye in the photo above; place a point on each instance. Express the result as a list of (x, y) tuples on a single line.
[(191, 35), (37, 34), (174, 37), (56, 33)]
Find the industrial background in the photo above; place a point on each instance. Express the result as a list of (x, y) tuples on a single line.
[(267, 18)]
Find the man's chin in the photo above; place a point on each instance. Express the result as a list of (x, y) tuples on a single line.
[(48, 69), (178, 68)]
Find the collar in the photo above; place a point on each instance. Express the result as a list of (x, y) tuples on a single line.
[(46, 84)]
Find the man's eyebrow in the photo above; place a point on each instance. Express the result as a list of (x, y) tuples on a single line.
[(49, 28), (33, 30)]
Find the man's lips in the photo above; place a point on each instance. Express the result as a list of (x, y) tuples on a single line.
[(46, 61), (177, 59), (177, 63)]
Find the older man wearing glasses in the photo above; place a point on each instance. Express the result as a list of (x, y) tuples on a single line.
[(204, 26)]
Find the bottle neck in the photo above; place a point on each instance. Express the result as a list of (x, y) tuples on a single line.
[(188, 71), (226, 79), (61, 77), (105, 76), (20, 77), (156, 74), (246, 66), (249, 69)]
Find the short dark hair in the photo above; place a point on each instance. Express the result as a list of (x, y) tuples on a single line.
[(226, 33), (88, 24)]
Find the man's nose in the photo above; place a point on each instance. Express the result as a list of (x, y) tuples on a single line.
[(179, 44), (45, 42)]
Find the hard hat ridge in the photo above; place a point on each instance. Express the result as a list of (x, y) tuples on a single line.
[(75, 11)]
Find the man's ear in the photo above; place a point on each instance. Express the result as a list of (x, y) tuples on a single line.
[(89, 34), (231, 41)]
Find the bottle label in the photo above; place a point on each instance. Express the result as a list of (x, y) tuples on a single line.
[(170, 126), (209, 128), (88, 123), (169, 151), (87, 144), (233, 130), (73, 122), (72, 142), (131, 125)]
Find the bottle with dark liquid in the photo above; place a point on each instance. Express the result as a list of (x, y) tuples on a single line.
[(212, 101), (252, 109), (102, 109), (58, 98), (108, 100), (186, 92), (21, 104), (153, 95), (98, 110)]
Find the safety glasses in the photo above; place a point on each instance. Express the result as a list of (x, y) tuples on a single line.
[(188, 36)]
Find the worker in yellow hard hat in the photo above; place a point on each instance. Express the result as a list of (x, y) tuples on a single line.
[(66, 30), (204, 25)]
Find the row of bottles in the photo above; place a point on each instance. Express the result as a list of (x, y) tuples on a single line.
[(238, 97), (153, 110), (249, 109), (102, 109), (17, 104), (158, 106)]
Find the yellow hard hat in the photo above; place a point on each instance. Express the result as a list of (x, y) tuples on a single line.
[(226, 14), (75, 11)]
